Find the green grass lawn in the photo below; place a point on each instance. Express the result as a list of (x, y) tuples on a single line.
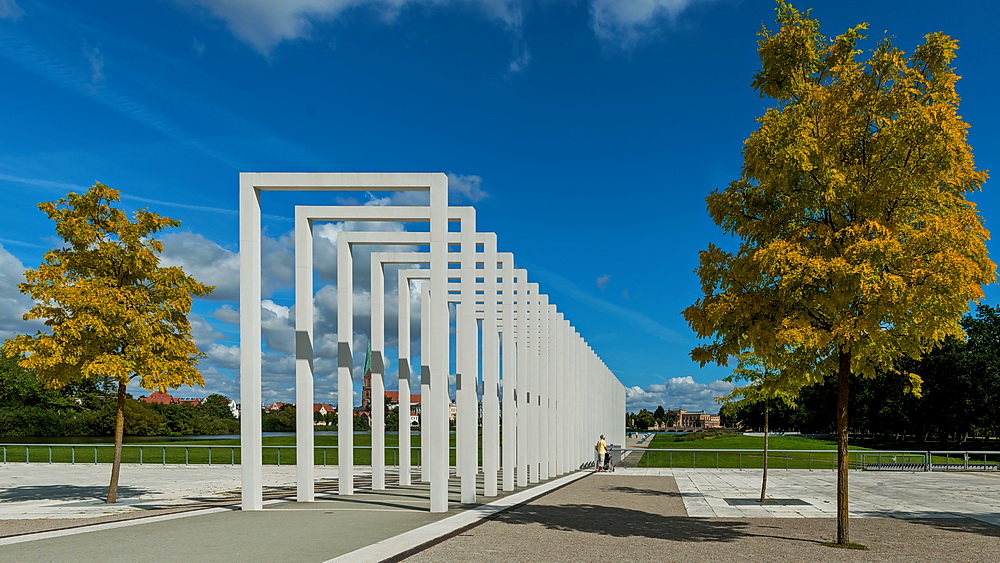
[(693, 457), (696, 456), (281, 450), (277, 450)]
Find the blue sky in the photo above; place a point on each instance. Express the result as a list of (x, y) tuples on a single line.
[(587, 134)]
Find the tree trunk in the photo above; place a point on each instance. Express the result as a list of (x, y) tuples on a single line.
[(763, 482), (119, 431), (843, 387)]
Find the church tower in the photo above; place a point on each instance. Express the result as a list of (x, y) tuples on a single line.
[(366, 389)]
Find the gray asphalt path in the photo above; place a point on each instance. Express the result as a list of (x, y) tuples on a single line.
[(643, 518), (631, 514)]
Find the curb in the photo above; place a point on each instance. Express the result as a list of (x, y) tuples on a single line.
[(395, 548)]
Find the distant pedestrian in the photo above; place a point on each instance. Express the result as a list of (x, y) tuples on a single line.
[(602, 449)]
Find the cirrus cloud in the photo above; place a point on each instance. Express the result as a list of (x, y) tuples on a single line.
[(264, 24), (9, 10), (626, 22)]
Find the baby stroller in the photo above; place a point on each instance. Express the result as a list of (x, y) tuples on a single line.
[(609, 460)]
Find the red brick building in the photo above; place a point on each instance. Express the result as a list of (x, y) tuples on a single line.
[(159, 398)]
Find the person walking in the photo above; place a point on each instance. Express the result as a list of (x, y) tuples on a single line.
[(602, 449)]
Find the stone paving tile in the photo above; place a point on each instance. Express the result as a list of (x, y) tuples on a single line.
[(873, 495)]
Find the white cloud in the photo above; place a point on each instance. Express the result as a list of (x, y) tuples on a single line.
[(264, 24), (208, 262), (677, 392), (602, 281), (9, 10), (521, 56), (277, 326), (626, 22), (325, 249), (222, 382), (13, 303), (223, 356), (202, 331), (212, 264), (96, 61), (470, 187), (462, 188), (227, 314)]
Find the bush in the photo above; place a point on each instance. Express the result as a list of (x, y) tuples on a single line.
[(140, 419), (29, 421), (707, 434)]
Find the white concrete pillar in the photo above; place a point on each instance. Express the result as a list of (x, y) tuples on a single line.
[(304, 427), (403, 369), (490, 370), (345, 367), (548, 469), (552, 390), (468, 397), (523, 378), (508, 378), (438, 398), (251, 350), (377, 292), (425, 382), (534, 404)]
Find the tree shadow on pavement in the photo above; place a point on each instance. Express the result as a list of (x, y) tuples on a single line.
[(966, 525), (647, 492), (627, 523), (66, 492)]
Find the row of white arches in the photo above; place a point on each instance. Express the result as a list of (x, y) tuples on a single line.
[(542, 390)]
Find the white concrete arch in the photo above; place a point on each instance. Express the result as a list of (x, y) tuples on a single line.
[(251, 347), (555, 394)]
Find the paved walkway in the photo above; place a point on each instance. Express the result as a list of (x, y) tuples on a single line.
[(728, 493), (375, 525)]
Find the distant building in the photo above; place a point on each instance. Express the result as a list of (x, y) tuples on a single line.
[(687, 420), (158, 398), (392, 397), (324, 408)]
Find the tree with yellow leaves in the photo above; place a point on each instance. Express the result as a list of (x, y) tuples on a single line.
[(763, 384), (110, 308), (857, 242)]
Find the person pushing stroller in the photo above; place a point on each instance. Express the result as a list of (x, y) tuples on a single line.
[(603, 454)]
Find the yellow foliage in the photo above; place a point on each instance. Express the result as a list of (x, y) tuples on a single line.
[(856, 233), (110, 308)]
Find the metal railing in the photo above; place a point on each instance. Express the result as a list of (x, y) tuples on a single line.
[(186, 454), (191, 454), (949, 460), (869, 460)]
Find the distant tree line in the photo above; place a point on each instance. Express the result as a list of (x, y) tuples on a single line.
[(958, 397), (644, 419), (283, 419), (87, 408)]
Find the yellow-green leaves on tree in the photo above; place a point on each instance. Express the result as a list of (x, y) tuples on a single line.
[(857, 242), (111, 309), (852, 213)]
